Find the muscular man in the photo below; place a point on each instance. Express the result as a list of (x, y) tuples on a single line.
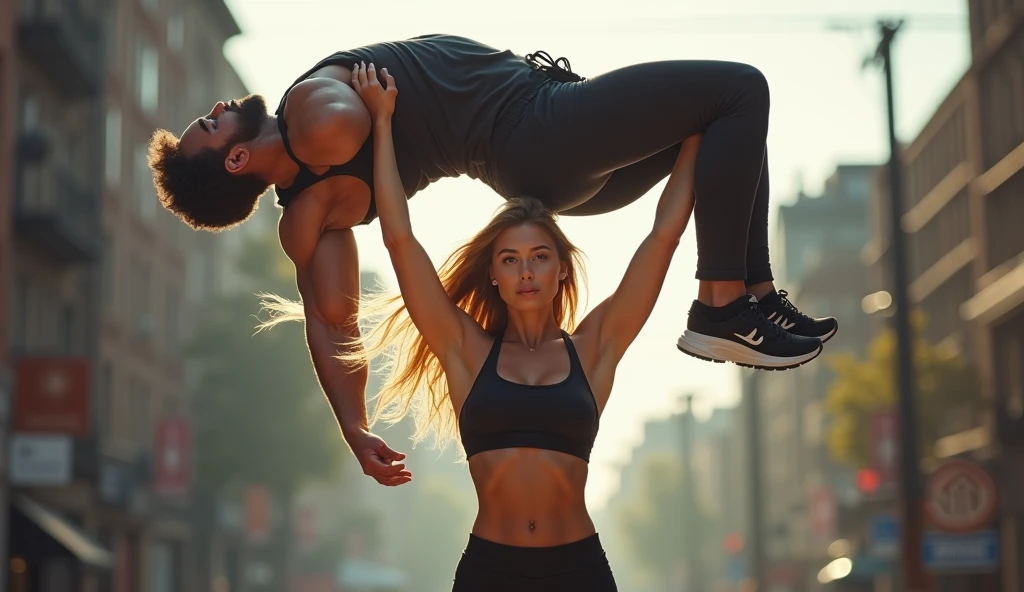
[(525, 126)]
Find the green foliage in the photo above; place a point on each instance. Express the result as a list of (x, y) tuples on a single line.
[(945, 384), (261, 416)]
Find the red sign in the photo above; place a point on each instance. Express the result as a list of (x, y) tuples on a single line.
[(823, 514), (52, 395), (171, 457), (883, 432), (960, 497), (257, 513)]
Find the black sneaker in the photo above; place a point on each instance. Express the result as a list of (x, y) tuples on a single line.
[(779, 310), (745, 338)]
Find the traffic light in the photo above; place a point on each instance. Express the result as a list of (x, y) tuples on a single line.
[(868, 480), (733, 543)]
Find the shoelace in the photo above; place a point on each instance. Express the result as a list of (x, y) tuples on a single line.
[(784, 295), (771, 330), (559, 69)]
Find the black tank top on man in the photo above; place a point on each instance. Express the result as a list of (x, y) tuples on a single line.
[(501, 414), (458, 100)]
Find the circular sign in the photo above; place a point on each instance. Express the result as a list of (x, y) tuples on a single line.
[(960, 497)]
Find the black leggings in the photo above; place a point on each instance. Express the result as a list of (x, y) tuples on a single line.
[(594, 146), (492, 567)]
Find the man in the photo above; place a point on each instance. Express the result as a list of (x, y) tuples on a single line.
[(522, 126)]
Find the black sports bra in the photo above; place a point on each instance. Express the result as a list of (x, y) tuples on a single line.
[(502, 414)]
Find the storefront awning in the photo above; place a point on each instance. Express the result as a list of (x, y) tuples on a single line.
[(81, 545)]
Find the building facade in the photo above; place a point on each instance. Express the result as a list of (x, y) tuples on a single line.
[(102, 288), (805, 493), (963, 185)]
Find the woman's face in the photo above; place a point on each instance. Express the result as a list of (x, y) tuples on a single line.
[(526, 266)]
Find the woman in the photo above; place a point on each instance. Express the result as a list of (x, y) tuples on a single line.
[(490, 343)]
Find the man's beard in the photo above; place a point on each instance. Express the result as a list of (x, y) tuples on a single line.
[(252, 113)]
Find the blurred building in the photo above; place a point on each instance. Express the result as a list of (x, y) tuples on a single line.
[(57, 92), (103, 287), (8, 126), (806, 494), (963, 207), (716, 450)]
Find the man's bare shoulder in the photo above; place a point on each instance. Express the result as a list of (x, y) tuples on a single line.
[(327, 121)]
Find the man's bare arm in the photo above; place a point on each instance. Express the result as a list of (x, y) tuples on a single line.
[(328, 281), (331, 324)]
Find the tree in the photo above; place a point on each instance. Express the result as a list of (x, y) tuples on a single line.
[(946, 384), (260, 414), (654, 522)]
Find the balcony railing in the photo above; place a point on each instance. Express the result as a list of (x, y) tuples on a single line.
[(56, 213), (63, 41)]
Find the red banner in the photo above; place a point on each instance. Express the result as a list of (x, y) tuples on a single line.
[(171, 457), (52, 395)]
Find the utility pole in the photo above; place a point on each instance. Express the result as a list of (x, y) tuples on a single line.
[(756, 489), (914, 577)]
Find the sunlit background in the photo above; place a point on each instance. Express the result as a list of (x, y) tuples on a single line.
[(150, 442)]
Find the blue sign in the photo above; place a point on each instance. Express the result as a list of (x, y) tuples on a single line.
[(972, 552), (884, 536), (736, 568)]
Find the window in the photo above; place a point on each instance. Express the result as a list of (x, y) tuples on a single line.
[(147, 75), (29, 111), (145, 192), (142, 322), (67, 328), (109, 265), (21, 312), (113, 152), (176, 33)]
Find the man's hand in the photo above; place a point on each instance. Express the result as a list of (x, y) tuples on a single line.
[(377, 459)]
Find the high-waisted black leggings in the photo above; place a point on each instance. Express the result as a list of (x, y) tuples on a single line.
[(487, 566), (594, 146)]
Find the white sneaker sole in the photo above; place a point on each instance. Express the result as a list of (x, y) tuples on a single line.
[(716, 349)]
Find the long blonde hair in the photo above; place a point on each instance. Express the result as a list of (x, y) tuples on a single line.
[(415, 381)]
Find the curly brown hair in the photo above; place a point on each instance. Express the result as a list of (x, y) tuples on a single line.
[(198, 189)]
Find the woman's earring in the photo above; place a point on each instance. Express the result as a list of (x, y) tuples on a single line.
[(494, 282)]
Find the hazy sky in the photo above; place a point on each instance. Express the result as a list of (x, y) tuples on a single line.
[(826, 110)]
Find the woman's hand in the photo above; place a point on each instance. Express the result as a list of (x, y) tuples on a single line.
[(379, 100)]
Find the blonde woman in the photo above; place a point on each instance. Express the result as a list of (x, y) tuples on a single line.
[(488, 350)]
